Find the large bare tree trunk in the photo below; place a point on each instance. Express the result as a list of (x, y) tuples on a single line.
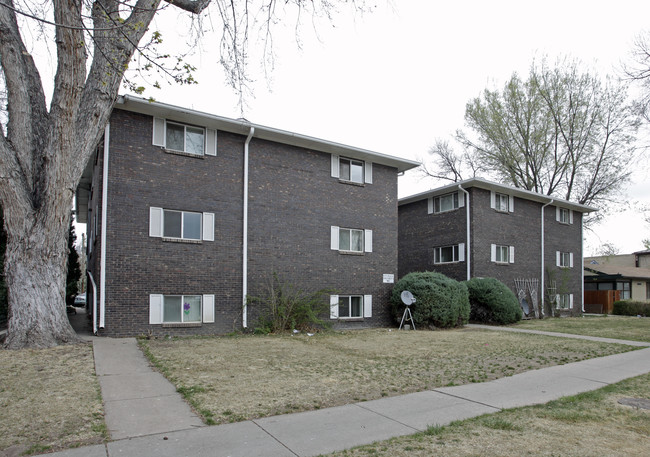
[(35, 269), (44, 152)]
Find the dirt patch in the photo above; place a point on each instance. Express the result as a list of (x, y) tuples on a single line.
[(50, 400), (244, 377)]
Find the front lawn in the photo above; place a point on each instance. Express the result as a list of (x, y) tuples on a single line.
[(588, 424), (49, 400), (619, 327), (230, 379)]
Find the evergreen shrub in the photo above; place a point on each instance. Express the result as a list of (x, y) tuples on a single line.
[(631, 308), (440, 300), (492, 302)]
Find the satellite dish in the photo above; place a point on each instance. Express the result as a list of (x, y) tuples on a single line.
[(407, 298)]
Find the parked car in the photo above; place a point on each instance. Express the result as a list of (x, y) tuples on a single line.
[(80, 300)]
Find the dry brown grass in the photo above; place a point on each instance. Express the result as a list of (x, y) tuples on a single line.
[(589, 424), (619, 327), (243, 377), (49, 399)]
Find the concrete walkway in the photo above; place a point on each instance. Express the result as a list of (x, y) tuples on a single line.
[(563, 335), (138, 401), (172, 429)]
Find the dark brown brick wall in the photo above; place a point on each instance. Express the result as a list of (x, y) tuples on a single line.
[(142, 176), (293, 201), (420, 232), (293, 204)]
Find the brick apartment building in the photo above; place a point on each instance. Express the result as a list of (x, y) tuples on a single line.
[(476, 228), (188, 213)]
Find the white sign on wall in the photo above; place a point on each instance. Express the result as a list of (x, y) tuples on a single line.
[(389, 279)]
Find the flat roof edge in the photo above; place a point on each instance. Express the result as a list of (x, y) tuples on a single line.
[(242, 127)]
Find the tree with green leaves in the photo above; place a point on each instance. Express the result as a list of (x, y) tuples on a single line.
[(46, 140), (562, 132)]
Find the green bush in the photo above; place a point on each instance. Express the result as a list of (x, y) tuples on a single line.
[(492, 302), (283, 307), (631, 308), (440, 301)]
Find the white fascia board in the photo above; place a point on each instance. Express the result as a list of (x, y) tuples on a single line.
[(242, 127), (501, 188)]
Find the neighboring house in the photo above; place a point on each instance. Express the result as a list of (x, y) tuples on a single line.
[(627, 274), (476, 228), (189, 213)]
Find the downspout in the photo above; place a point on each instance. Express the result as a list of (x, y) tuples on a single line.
[(102, 271), (582, 264), (92, 280), (245, 233), (468, 256), (542, 282)]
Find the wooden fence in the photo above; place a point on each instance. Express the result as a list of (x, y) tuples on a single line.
[(601, 301)]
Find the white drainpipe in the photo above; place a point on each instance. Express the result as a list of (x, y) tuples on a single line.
[(92, 280), (468, 256), (102, 271), (245, 233), (542, 282), (582, 264)]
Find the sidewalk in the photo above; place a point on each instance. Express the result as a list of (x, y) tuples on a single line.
[(317, 432)]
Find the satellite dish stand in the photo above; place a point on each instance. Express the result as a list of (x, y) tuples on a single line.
[(408, 299)]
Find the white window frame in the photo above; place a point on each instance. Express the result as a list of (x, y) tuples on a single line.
[(366, 169), (458, 201), (351, 163), (458, 253), (185, 126), (366, 306), (564, 301), (159, 137), (182, 321), (502, 203), (335, 239), (497, 254), (563, 215), (183, 214), (564, 259), (156, 308), (157, 224)]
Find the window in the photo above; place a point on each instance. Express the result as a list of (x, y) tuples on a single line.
[(351, 170), (181, 225), (189, 139), (449, 254), (351, 240), (502, 254), (350, 306), (564, 301), (181, 309), (564, 259), (444, 203), (563, 215), (502, 202), (184, 138), (624, 287)]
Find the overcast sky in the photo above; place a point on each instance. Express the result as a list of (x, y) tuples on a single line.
[(394, 80)]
